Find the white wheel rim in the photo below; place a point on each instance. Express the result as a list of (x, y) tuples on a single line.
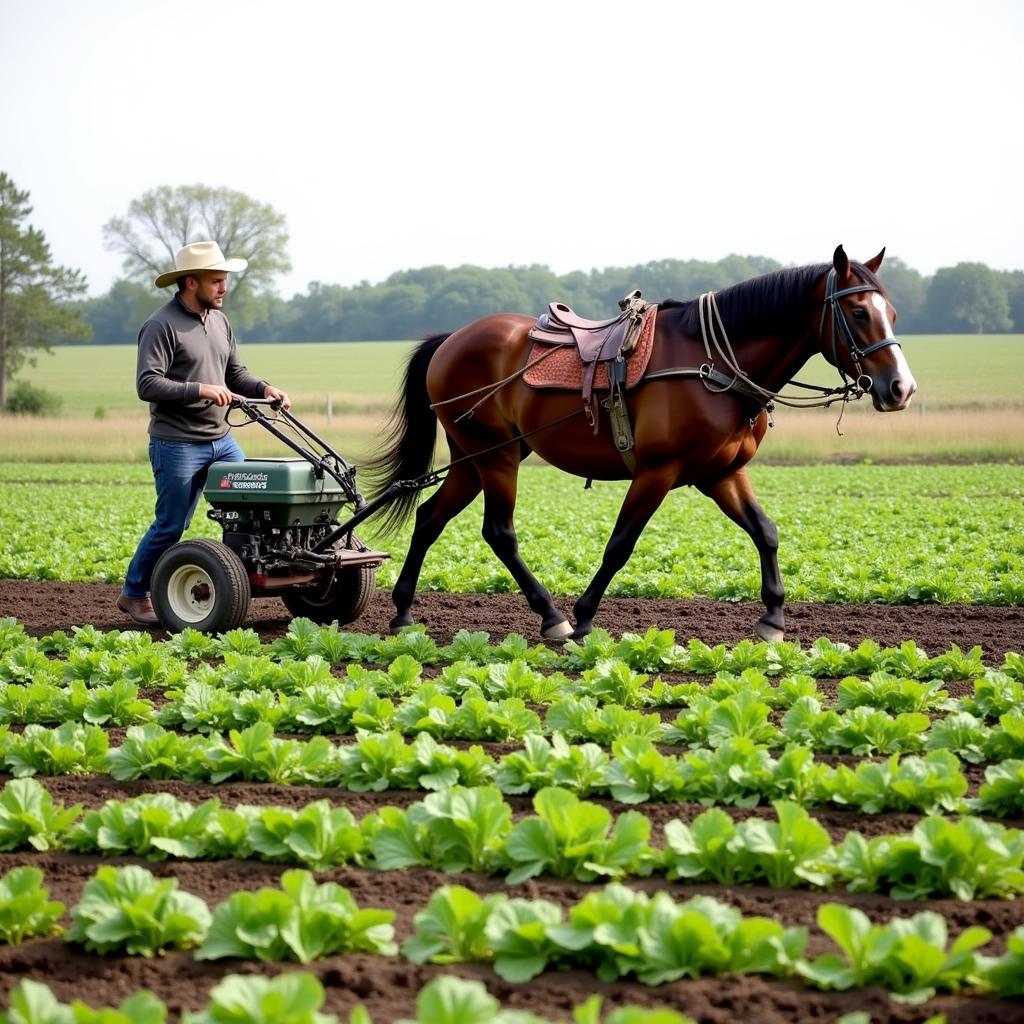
[(191, 593)]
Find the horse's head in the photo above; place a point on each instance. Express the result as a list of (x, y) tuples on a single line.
[(856, 333)]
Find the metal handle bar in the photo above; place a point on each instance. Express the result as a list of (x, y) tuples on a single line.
[(238, 401), (325, 461)]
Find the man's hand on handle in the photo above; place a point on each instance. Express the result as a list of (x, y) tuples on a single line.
[(219, 394), (282, 396)]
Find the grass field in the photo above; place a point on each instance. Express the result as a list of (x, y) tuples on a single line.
[(969, 406)]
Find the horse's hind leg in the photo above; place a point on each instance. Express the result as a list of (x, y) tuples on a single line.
[(735, 497), (459, 488), (645, 495), (499, 483)]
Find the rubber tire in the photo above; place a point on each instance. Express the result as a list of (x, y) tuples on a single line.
[(346, 600), (224, 571)]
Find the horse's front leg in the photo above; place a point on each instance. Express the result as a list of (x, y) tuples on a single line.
[(735, 497), (645, 494)]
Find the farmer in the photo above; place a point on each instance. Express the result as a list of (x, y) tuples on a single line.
[(188, 368)]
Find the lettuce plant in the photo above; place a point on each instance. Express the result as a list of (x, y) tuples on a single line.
[(456, 830), (579, 767), (907, 956), (570, 838), (300, 921), (150, 752), (995, 694), (580, 718), (1004, 975), (655, 651), (256, 755), (891, 693), (154, 825), (25, 910), (30, 818), (962, 734), (34, 1003), (969, 859), (412, 640), (792, 850), (128, 910), (929, 784), (1007, 741), (294, 997), (69, 749), (639, 772), (451, 928), (1002, 792), (517, 933), (319, 836), (494, 721)]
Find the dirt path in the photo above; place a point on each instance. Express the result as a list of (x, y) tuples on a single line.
[(45, 606)]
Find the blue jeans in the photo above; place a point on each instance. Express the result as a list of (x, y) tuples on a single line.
[(179, 469)]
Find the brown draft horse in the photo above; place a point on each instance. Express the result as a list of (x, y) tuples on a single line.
[(686, 430)]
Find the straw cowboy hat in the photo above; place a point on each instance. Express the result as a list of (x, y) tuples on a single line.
[(198, 256)]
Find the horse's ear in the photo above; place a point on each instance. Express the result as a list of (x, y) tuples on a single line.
[(841, 262), (875, 262)]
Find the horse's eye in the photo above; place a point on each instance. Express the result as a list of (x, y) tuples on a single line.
[(860, 313)]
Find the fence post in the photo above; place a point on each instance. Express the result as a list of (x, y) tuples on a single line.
[(330, 408)]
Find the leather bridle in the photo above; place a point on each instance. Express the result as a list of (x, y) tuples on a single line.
[(834, 311)]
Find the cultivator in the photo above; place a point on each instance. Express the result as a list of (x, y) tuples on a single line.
[(282, 536)]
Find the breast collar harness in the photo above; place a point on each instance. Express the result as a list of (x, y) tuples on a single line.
[(834, 311)]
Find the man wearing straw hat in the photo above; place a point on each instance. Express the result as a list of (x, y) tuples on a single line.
[(188, 369)]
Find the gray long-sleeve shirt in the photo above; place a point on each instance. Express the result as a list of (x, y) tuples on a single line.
[(178, 351)]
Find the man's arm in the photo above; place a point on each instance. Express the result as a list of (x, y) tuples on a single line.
[(155, 355)]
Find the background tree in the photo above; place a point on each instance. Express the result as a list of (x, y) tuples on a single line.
[(969, 297), (1014, 282), (159, 222), (116, 316), (908, 290), (35, 295)]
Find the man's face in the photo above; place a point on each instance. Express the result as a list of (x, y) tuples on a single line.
[(211, 287)]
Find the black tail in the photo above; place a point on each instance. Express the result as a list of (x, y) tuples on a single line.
[(409, 440)]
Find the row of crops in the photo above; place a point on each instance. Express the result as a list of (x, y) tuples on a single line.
[(614, 931), (515, 763), (296, 997), (472, 829)]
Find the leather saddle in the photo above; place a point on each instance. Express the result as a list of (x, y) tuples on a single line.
[(596, 341)]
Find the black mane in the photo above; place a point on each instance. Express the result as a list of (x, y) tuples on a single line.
[(772, 301)]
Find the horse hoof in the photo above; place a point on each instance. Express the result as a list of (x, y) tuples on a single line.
[(398, 623), (559, 631), (769, 634)]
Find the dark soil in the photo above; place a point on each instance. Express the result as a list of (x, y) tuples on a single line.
[(388, 985), (45, 606)]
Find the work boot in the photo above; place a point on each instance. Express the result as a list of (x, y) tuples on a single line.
[(139, 608)]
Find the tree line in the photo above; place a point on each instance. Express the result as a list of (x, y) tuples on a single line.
[(42, 304), (966, 298)]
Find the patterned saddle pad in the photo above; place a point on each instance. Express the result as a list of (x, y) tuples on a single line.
[(559, 366)]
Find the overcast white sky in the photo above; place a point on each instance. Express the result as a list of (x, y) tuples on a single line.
[(576, 134)]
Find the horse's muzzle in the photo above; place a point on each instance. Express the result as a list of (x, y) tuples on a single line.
[(891, 393), (892, 385)]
